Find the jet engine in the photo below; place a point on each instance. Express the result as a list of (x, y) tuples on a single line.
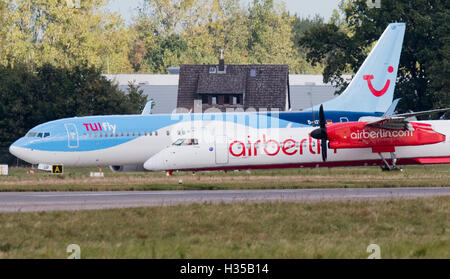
[(128, 168)]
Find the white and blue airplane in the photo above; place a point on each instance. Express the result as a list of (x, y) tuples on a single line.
[(126, 142)]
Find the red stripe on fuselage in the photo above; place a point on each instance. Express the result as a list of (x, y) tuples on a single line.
[(402, 161)]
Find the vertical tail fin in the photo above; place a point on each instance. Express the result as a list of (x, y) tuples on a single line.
[(372, 88)]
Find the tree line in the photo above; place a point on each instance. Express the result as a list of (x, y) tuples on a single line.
[(164, 33), (52, 55), (168, 33)]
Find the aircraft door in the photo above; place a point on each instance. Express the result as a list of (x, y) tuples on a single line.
[(221, 150), (72, 135)]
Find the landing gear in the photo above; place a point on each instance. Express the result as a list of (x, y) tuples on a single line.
[(388, 167)]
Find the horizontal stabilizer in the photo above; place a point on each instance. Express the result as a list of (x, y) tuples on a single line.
[(410, 114)]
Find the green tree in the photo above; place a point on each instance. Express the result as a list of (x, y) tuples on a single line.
[(270, 33), (421, 82), (167, 54), (193, 32), (299, 27), (36, 32), (137, 55)]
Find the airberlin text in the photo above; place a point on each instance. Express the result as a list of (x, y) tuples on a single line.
[(381, 134), (272, 147)]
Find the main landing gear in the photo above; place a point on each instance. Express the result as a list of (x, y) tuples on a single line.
[(388, 167)]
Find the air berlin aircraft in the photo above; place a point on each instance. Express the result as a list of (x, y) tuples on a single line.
[(365, 142)]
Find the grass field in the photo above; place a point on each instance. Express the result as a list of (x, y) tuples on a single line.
[(402, 228), (77, 179)]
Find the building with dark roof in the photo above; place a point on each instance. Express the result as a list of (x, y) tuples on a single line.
[(305, 90), (234, 86)]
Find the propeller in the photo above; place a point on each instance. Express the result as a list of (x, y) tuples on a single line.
[(321, 134)]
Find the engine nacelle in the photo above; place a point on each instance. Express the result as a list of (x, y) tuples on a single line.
[(359, 135), (128, 168)]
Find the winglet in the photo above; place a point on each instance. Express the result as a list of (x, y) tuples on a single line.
[(148, 108), (391, 109)]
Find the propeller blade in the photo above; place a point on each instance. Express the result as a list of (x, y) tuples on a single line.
[(321, 133), (324, 150), (321, 117)]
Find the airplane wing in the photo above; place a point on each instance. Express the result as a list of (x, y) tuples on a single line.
[(421, 112), (391, 123)]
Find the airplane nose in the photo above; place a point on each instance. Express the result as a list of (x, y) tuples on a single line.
[(20, 150), (17, 151), (14, 150), (155, 163), (17, 148)]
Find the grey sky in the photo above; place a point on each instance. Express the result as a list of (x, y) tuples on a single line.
[(303, 8)]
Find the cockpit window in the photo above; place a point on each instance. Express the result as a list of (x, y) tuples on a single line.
[(38, 135), (180, 142)]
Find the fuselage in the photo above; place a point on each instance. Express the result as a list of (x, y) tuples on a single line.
[(133, 139), (290, 147)]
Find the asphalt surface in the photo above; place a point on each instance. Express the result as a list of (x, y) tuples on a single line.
[(46, 201)]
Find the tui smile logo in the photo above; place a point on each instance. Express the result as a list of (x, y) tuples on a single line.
[(378, 93)]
